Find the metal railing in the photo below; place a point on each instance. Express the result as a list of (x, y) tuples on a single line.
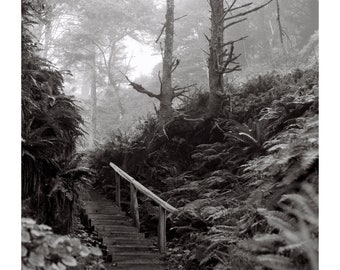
[(134, 186)]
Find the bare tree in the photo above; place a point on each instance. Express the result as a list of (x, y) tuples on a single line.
[(167, 92), (222, 58)]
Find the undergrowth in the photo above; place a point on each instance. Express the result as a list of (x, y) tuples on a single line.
[(235, 179), (42, 249)]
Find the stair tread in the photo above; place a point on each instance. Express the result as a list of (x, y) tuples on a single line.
[(141, 261), (126, 238), (136, 253), (128, 247), (112, 266), (124, 234), (109, 226)]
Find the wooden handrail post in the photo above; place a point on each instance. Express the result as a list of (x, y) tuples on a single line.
[(134, 205), (117, 179), (162, 230), (163, 205)]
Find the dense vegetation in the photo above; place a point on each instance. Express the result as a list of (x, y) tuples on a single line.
[(243, 172), (51, 176), (50, 127), (245, 182)]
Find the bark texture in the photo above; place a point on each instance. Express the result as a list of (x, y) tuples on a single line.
[(167, 93), (215, 61)]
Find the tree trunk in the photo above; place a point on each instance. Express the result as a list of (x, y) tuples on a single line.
[(167, 94), (216, 83), (281, 33), (93, 127), (47, 38), (84, 89), (114, 90)]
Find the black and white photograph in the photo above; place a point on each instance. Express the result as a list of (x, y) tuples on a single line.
[(168, 135)]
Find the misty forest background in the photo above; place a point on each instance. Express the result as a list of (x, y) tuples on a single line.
[(212, 105)]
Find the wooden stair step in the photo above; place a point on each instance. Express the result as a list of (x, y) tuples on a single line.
[(141, 264), (110, 234), (140, 261), (125, 240), (98, 206), (115, 228), (125, 255), (130, 247), (107, 216), (97, 222), (100, 203), (130, 250), (104, 211), (112, 266)]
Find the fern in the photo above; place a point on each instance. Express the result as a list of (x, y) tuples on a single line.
[(297, 233)]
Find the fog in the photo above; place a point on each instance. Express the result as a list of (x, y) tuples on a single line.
[(122, 36)]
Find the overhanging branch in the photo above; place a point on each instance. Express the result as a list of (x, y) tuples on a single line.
[(139, 88), (247, 12)]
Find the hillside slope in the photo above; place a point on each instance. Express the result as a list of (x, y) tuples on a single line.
[(245, 183)]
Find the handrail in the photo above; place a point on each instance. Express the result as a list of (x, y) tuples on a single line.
[(143, 189), (134, 186)]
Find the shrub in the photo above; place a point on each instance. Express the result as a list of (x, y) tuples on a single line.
[(41, 249)]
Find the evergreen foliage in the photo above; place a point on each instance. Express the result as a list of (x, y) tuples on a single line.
[(51, 124)]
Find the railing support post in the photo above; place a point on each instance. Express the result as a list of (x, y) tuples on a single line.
[(134, 205), (162, 230), (117, 179)]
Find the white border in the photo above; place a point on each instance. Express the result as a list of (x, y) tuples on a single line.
[(10, 85)]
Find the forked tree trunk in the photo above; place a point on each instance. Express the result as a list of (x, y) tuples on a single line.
[(215, 62), (93, 127), (167, 94)]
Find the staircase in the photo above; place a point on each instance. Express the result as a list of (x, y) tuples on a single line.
[(128, 247)]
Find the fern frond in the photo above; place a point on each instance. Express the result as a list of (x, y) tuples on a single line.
[(278, 220), (268, 239), (301, 208), (276, 262)]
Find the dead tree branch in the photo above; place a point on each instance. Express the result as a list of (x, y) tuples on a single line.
[(174, 64), (139, 88), (180, 17), (179, 91), (162, 30), (235, 22), (247, 12), (242, 6)]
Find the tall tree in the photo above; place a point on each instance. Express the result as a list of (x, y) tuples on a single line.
[(222, 59), (216, 65), (101, 26), (167, 92)]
